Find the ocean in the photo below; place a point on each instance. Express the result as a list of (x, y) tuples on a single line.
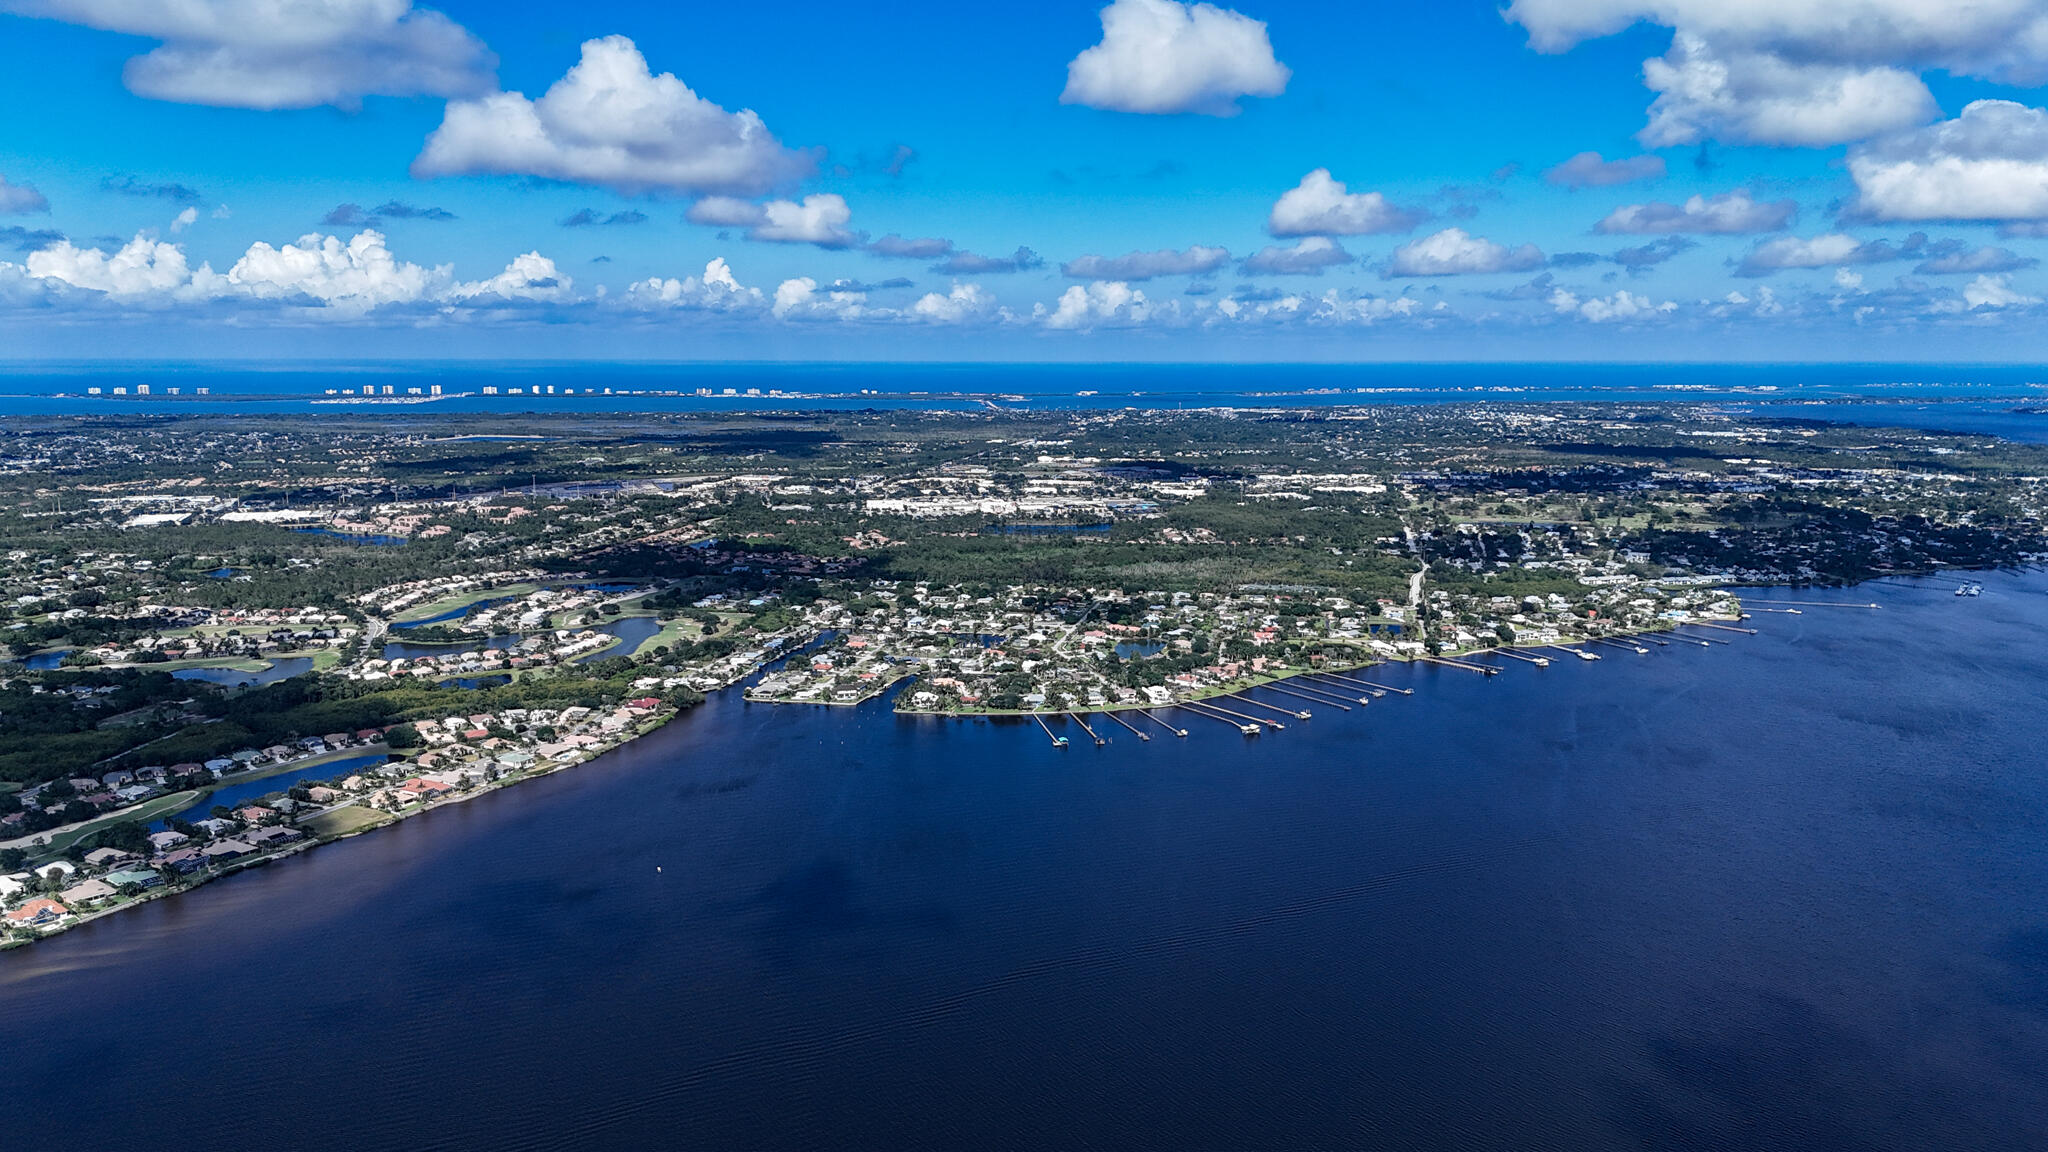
[(1789, 891), (1995, 399)]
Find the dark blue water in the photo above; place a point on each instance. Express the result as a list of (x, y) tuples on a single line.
[(632, 631), (44, 661), (280, 669), (399, 650), (1785, 893), (284, 387), (236, 794), (354, 537), (456, 613)]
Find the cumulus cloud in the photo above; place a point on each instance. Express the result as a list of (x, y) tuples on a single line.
[(1588, 170), (819, 219), (20, 199), (142, 267), (1990, 163), (973, 264), (1829, 250), (800, 299), (592, 218), (893, 282), (318, 273), (1622, 306), (1453, 252), (717, 290), (1995, 292), (1802, 72), (963, 303), (612, 123), (1729, 214), (1147, 265), (1323, 206), (184, 220), (1160, 56), (1307, 257), (284, 53), (1102, 304)]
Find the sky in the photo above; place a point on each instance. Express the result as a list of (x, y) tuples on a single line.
[(1574, 180)]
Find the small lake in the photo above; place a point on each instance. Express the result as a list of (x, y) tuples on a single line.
[(280, 669), (400, 650), (1139, 649), (632, 631), (44, 661), (236, 793), (457, 613), (354, 537)]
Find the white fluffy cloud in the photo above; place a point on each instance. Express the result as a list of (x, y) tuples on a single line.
[(20, 199), (612, 123), (1829, 250), (1322, 206), (1589, 170), (318, 273), (1453, 252), (1307, 257), (718, 290), (1102, 304), (1623, 305), (1990, 163), (963, 303), (1147, 265), (1160, 56), (284, 53), (142, 267), (820, 219), (1803, 72), (1729, 214), (1995, 292)]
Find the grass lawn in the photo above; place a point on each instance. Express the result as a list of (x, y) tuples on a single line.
[(141, 814), (463, 601), (342, 821)]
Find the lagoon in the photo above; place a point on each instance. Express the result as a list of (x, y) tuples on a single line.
[(1784, 892)]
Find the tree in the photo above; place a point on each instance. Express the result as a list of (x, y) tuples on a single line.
[(11, 859), (403, 736)]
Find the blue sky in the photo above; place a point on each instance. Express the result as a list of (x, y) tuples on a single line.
[(1080, 181)]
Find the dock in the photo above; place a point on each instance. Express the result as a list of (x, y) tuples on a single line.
[(1446, 661), (1076, 718), (1581, 653), (1615, 642), (1198, 709), (1731, 627), (1148, 714), (1539, 661), (1057, 740), (1145, 736), (1248, 702), (1363, 683), (1303, 692)]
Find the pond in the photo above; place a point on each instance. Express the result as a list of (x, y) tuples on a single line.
[(632, 631), (354, 537), (400, 650), (456, 613), (1139, 649), (280, 669), (237, 793), (44, 661)]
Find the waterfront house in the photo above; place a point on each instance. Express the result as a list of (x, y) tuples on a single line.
[(140, 877), (225, 850), (274, 836), (37, 913), (183, 861), (110, 858), (87, 892), (165, 841)]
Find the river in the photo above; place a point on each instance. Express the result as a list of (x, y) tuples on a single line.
[(1786, 892)]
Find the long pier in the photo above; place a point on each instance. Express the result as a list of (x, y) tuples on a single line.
[(1824, 604), (1076, 718), (1303, 693), (1057, 741), (1615, 643), (1581, 653), (1364, 683), (1217, 715), (1251, 703), (1539, 661), (1145, 736), (1273, 724), (1482, 669), (1731, 627), (1148, 714)]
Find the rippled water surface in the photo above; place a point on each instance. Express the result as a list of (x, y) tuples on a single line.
[(1787, 892)]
